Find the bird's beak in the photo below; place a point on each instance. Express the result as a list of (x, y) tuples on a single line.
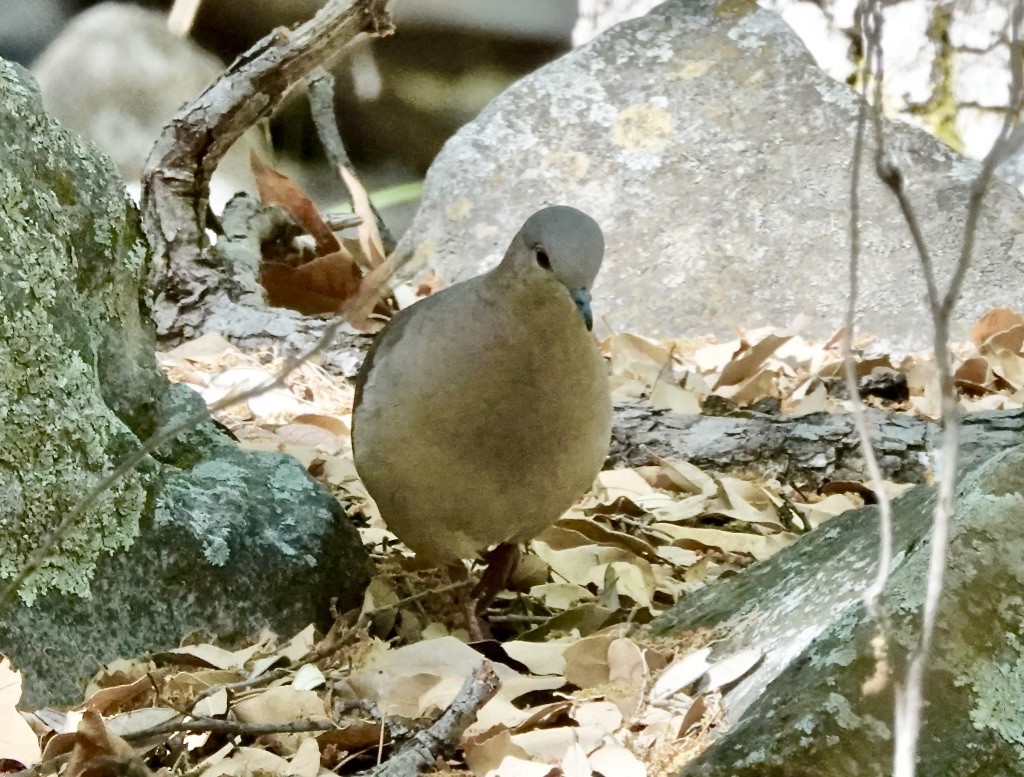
[(582, 299)]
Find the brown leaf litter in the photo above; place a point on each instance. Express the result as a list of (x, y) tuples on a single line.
[(580, 692)]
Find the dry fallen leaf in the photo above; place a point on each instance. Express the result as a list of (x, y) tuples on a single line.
[(993, 322), (275, 188), (17, 740), (97, 752)]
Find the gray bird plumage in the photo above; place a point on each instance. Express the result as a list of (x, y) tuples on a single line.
[(483, 411)]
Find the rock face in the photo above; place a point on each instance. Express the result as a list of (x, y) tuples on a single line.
[(116, 74), (802, 710), (202, 535), (716, 156)]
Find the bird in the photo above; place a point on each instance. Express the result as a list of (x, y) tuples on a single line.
[(483, 411)]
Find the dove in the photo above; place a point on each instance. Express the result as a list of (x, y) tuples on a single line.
[(483, 412)]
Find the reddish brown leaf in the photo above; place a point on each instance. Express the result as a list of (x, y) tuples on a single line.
[(322, 285), (995, 321), (278, 189)]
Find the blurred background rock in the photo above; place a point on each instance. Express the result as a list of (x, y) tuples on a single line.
[(116, 73)]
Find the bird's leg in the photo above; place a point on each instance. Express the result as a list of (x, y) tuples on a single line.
[(465, 599), (502, 562)]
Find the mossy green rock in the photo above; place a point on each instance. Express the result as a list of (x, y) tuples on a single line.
[(202, 535), (803, 709)]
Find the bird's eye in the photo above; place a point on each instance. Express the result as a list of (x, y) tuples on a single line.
[(543, 259)]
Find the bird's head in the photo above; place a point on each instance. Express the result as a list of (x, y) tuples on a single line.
[(559, 244)]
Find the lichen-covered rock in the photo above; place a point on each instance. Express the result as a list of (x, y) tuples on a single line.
[(202, 535), (716, 156), (803, 709), (71, 255)]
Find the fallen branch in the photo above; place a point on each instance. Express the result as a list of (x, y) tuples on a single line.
[(420, 753), (803, 450), (176, 180), (195, 726)]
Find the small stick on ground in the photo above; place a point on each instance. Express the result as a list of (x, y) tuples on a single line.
[(420, 753)]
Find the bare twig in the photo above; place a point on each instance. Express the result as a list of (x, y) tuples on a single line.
[(325, 119), (340, 221), (413, 598), (193, 725), (874, 471), (324, 651), (909, 697), (420, 753), (181, 724), (175, 184), (233, 727)]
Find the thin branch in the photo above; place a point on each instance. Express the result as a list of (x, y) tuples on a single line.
[(324, 651), (412, 599), (909, 703), (325, 119), (907, 713), (874, 471), (233, 727), (909, 697), (988, 166)]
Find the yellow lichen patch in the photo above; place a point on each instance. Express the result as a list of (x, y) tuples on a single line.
[(459, 210), (643, 128), (694, 69), (571, 165), (733, 9)]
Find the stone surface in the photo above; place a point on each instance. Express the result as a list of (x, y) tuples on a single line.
[(802, 710), (116, 74), (202, 535), (28, 26), (716, 156)]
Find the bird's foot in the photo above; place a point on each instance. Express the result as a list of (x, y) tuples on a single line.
[(502, 562)]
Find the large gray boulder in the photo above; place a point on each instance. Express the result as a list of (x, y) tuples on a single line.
[(803, 710), (716, 156), (202, 535)]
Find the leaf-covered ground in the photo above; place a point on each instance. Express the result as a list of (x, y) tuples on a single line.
[(579, 692)]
